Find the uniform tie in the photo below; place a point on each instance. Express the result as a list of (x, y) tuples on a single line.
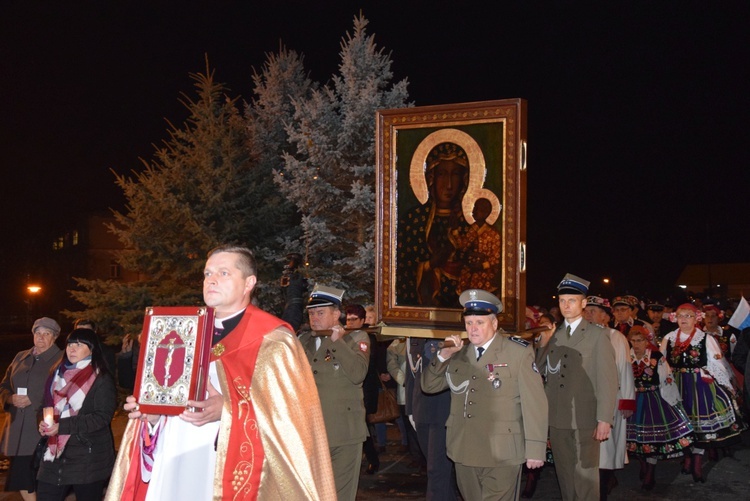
[(480, 350), (567, 331)]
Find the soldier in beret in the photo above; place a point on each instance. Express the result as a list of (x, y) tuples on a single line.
[(498, 416), (339, 363)]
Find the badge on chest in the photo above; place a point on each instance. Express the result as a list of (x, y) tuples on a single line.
[(492, 376)]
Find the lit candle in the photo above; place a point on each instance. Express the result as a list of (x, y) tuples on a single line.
[(49, 416)]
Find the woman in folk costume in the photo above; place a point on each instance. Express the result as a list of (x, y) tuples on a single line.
[(80, 450), (705, 386), (659, 428)]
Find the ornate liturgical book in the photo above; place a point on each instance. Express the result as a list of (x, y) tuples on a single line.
[(174, 358)]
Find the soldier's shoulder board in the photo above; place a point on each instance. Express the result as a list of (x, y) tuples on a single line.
[(520, 341)]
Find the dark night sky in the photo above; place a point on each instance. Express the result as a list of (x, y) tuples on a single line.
[(638, 146)]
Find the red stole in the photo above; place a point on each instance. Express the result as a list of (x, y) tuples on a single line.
[(237, 354)]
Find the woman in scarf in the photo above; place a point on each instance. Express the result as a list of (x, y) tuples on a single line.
[(80, 449), (705, 385)]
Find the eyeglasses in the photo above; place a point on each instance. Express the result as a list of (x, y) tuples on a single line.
[(685, 315)]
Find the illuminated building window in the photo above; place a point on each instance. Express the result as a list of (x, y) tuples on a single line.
[(114, 269)]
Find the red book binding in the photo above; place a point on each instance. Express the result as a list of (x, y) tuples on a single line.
[(174, 357)]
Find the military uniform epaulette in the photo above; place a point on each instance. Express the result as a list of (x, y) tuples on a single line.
[(520, 341)]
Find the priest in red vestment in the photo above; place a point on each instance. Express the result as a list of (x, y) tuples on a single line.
[(260, 429)]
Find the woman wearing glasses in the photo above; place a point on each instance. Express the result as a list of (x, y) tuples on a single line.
[(22, 395), (704, 381)]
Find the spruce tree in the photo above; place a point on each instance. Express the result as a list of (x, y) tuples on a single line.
[(282, 80), (330, 174), (210, 183), (193, 195)]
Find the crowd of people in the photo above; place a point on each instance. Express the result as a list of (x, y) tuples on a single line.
[(285, 409)]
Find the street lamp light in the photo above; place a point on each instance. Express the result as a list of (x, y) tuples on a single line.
[(34, 290)]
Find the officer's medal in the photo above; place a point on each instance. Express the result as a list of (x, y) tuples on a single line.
[(492, 377)]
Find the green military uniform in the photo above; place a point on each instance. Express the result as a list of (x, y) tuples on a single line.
[(498, 416), (338, 369), (582, 390)]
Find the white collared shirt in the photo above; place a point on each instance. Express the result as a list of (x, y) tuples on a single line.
[(485, 346), (573, 325)]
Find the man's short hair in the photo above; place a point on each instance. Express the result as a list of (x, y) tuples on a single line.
[(246, 262), (356, 309), (84, 321)]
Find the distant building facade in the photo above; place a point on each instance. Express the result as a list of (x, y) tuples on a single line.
[(87, 249), (725, 279)]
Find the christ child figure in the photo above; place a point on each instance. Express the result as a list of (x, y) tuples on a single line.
[(481, 248)]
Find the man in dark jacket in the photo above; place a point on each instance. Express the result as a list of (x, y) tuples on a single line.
[(428, 414)]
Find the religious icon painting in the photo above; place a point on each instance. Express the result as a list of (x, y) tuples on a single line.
[(174, 358), (451, 207)]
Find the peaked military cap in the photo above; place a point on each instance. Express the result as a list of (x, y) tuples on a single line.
[(323, 295), (480, 302), (572, 284)]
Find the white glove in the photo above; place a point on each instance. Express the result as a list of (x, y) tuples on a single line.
[(411, 420)]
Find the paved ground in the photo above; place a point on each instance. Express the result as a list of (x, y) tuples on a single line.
[(728, 479)]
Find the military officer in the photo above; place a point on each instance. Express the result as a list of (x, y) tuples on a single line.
[(498, 415), (581, 389), (339, 363)]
